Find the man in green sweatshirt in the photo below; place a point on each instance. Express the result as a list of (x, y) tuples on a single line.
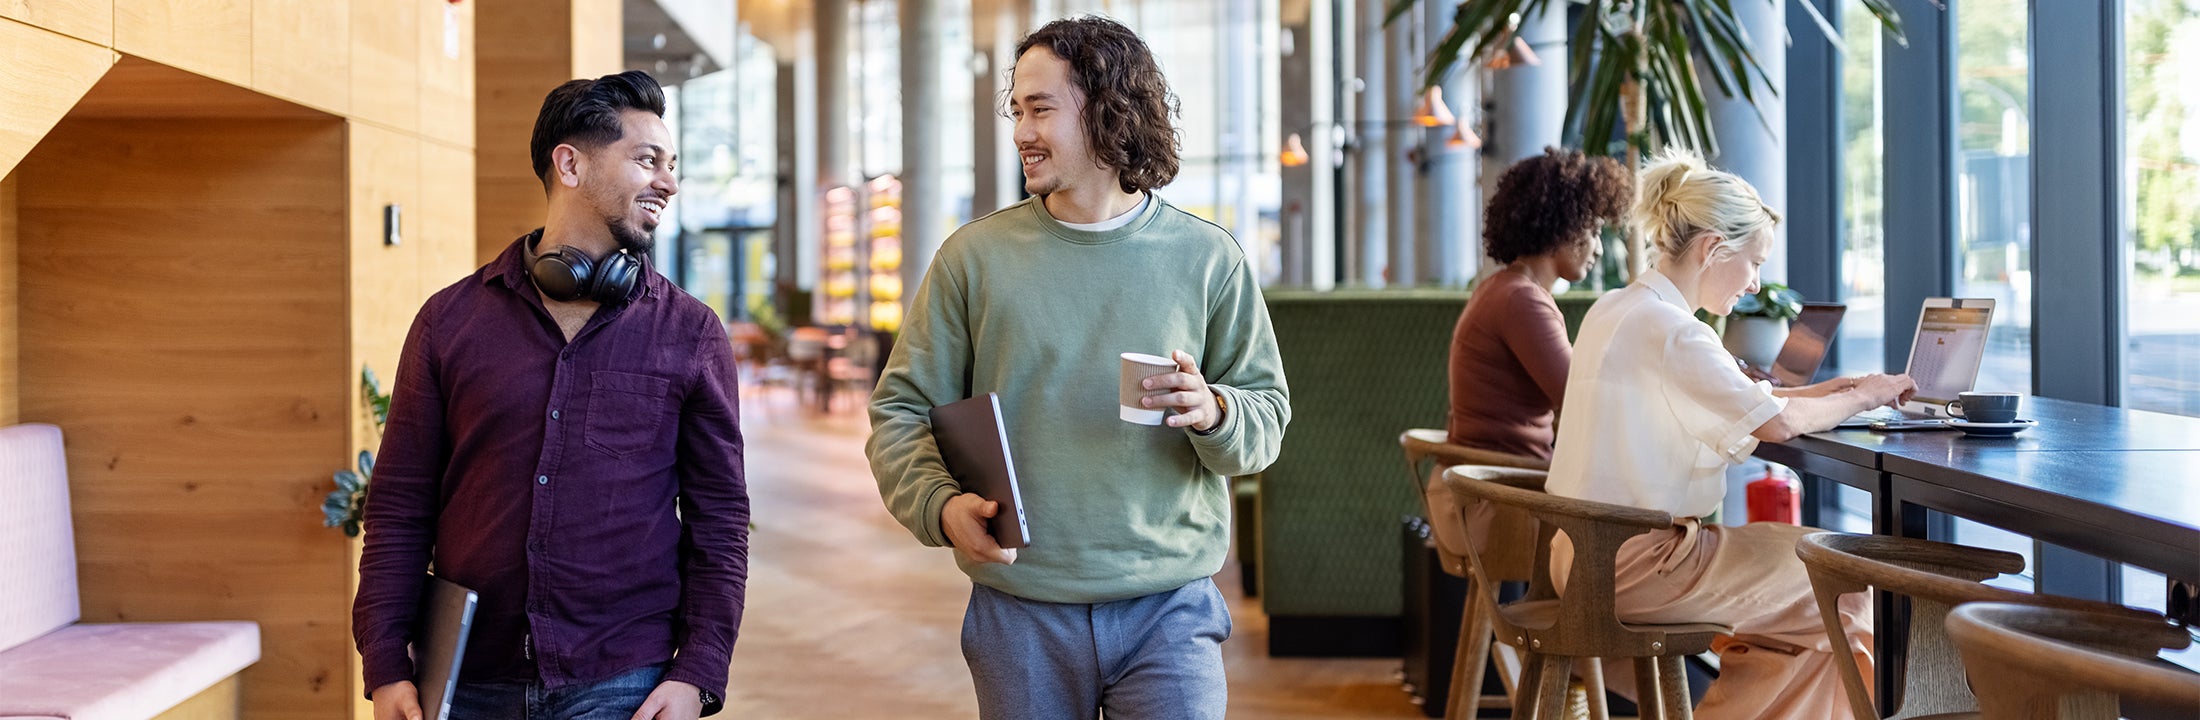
[(1112, 605)]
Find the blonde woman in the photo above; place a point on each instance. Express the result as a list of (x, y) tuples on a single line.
[(1655, 412)]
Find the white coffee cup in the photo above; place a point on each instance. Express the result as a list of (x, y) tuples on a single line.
[(1132, 389)]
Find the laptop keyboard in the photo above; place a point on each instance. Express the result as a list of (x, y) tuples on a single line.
[(1882, 414)]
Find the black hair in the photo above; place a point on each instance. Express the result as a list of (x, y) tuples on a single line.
[(585, 114)]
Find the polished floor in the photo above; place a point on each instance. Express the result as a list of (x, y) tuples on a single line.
[(848, 617)]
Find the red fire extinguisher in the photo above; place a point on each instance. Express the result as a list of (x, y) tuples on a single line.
[(1775, 499)]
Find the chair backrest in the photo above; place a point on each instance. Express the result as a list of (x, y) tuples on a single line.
[(1428, 451), (37, 551), (806, 344), (2039, 663), (1935, 577), (1596, 531)]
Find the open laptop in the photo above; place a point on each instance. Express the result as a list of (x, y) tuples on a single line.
[(1808, 338), (1944, 359)]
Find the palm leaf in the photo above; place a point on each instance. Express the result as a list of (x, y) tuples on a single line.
[(1398, 9), (1657, 44)]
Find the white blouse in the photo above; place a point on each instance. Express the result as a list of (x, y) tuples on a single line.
[(1655, 407)]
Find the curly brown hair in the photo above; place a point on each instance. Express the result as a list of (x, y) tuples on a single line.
[(1128, 105), (1544, 202)]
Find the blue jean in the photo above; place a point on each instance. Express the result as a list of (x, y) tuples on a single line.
[(613, 699), (1157, 656)]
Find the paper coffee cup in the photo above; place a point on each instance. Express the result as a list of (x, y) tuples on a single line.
[(1136, 368)]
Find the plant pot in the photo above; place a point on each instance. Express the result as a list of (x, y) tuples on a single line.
[(1756, 340)]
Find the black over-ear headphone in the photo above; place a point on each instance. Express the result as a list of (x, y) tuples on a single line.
[(568, 274)]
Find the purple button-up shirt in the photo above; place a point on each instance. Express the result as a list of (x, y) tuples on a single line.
[(591, 491)]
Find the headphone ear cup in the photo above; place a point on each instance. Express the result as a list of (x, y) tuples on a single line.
[(565, 275), (615, 278)]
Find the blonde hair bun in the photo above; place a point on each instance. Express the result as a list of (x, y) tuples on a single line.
[(1681, 198)]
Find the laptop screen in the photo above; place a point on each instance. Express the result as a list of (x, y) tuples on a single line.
[(1806, 344), (1950, 342)]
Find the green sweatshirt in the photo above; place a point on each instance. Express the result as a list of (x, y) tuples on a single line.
[(1019, 304)]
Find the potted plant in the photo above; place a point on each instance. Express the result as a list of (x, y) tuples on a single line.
[(345, 507), (1758, 326)]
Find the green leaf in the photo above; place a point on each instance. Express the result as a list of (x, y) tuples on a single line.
[(366, 464), (351, 528), (348, 481), (336, 506)]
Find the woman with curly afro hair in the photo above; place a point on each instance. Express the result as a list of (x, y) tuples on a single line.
[(1509, 353)]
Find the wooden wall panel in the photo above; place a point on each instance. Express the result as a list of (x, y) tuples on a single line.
[(292, 57), (385, 62), (597, 44), (184, 312), (385, 280), (8, 323), (92, 21), (45, 73), (143, 89), (208, 37), (514, 68), (447, 82), (447, 247)]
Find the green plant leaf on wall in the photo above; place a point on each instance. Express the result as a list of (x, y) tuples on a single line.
[(345, 507), (371, 387)]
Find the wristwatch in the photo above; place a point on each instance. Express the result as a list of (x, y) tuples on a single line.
[(711, 701), (1222, 412)]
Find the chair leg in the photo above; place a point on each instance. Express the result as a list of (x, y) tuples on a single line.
[(1673, 680), (1529, 686), (1647, 694), (1467, 664), (1592, 679), (1550, 696)]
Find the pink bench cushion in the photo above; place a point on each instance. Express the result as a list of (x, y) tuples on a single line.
[(37, 554), (122, 671)]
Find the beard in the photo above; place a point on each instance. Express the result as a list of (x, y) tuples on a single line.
[(631, 238)]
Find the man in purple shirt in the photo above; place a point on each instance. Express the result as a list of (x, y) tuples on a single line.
[(565, 440)]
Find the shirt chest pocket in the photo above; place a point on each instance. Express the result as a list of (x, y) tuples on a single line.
[(625, 411)]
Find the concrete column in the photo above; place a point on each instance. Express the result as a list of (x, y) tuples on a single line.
[(1751, 146), (835, 145), (1401, 56), (923, 173), (796, 244), (1241, 150), (1445, 254), (1371, 157), (1309, 194), (1527, 106), (996, 28)]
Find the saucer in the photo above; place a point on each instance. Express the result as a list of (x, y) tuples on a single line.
[(1983, 429)]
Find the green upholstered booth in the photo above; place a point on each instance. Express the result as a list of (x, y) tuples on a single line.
[(1363, 366)]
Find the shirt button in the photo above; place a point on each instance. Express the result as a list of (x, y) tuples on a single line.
[(553, 414), (542, 479)]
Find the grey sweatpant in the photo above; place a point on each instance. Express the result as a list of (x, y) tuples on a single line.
[(1145, 658)]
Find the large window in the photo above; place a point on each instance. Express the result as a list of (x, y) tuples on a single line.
[(1994, 183), (1863, 331), (2161, 206)]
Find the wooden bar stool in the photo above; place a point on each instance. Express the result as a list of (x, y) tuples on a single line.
[(1553, 631), (1935, 577), (2041, 663), (1508, 549)]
